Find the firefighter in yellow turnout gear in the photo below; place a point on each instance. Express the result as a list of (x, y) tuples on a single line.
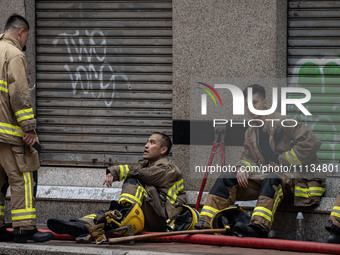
[(18, 160), (272, 145), (155, 185)]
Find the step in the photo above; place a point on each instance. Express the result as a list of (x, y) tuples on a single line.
[(105, 195), (94, 177)]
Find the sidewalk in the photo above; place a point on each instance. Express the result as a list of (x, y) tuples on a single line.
[(57, 247)]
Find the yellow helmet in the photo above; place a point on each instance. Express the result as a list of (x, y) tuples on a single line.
[(185, 220), (132, 215), (227, 218)]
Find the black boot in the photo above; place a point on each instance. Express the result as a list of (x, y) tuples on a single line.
[(22, 236), (334, 237), (249, 230), (5, 235), (73, 228)]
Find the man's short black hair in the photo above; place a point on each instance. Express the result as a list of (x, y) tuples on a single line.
[(16, 21), (166, 141), (256, 89)]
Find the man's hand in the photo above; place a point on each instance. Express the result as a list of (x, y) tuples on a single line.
[(242, 178), (29, 138), (108, 180)]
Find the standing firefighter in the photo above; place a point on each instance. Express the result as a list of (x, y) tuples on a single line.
[(267, 147), (333, 223), (18, 160), (155, 185)]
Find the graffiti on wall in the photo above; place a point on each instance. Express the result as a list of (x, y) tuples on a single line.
[(88, 66), (324, 75)]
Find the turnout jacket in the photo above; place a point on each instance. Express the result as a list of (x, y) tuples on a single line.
[(295, 148), (16, 113), (163, 174)]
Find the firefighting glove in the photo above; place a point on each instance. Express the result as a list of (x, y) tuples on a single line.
[(98, 231), (109, 217)]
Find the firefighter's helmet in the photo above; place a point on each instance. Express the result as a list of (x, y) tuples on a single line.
[(227, 218), (185, 220), (132, 215)]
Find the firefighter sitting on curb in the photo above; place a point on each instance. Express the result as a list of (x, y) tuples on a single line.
[(155, 185), (272, 144)]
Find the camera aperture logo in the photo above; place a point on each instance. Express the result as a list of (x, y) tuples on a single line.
[(239, 104), (204, 97)]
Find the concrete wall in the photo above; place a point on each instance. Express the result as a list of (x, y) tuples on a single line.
[(30, 53), (9, 7), (213, 39)]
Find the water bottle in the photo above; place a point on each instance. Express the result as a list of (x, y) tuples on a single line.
[(299, 227)]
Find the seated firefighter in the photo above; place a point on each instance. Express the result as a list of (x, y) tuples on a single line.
[(268, 145), (155, 185)]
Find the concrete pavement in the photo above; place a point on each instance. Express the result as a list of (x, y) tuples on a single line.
[(61, 247)]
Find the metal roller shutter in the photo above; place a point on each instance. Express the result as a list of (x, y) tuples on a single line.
[(104, 78), (314, 63)]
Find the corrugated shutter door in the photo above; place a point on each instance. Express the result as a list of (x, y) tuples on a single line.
[(314, 63), (104, 78)]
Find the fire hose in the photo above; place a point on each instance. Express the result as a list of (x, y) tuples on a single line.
[(249, 242)]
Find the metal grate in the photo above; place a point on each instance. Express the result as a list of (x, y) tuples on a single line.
[(314, 63), (104, 79)]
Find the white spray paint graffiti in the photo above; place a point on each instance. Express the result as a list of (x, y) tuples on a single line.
[(320, 65), (82, 76)]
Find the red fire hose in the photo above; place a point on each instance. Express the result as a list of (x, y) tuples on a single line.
[(264, 243)]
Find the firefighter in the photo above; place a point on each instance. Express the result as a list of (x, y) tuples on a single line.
[(18, 160), (155, 184), (333, 223), (260, 174)]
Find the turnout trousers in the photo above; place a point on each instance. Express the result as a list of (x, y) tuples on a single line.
[(22, 186), (133, 191), (151, 203), (269, 190)]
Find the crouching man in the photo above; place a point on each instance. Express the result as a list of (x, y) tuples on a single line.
[(155, 184)]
